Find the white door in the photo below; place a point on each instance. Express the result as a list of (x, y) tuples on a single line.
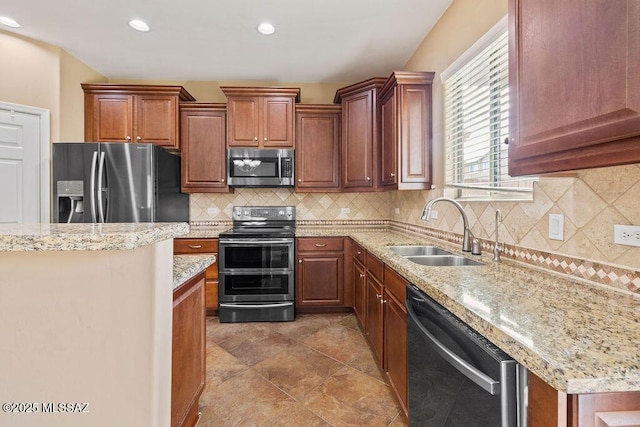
[(24, 164)]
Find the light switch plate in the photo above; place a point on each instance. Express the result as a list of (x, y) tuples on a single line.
[(396, 211), (213, 211), (345, 210), (556, 226)]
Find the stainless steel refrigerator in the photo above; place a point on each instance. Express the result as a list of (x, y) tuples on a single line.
[(117, 182)]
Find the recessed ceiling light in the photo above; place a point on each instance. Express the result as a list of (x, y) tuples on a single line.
[(266, 29), (9, 22), (138, 25)]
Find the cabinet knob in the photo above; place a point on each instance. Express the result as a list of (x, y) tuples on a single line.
[(138, 138), (392, 174), (361, 276), (378, 296), (299, 261), (128, 138), (383, 301), (299, 179), (265, 138), (359, 253), (255, 138), (368, 178), (222, 180)]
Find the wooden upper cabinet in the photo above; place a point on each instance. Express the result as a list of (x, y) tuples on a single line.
[(133, 113), (203, 136), (260, 116), (406, 131), (360, 134), (318, 147), (574, 87)]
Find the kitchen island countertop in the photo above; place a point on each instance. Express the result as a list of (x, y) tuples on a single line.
[(86, 237)]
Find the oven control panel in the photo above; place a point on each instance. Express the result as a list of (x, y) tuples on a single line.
[(264, 213)]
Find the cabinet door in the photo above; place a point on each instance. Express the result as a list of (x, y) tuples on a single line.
[(188, 351), (358, 133), (389, 160), (414, 137), (320, 280), (204, 161), (156, 120), (575, 95), (373, 318), (108, 118), (277, 122), (243, 121), (318, 150), (359, 291), (395, 347)]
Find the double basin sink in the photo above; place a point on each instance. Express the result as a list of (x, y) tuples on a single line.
[(432, 256)]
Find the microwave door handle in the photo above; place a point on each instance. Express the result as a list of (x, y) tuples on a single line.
[(92, 186), (100, 175), (279, 168)]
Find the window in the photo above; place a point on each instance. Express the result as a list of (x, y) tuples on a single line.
[(476, 110)]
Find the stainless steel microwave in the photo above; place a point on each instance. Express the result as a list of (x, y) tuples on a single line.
[(260, 167)]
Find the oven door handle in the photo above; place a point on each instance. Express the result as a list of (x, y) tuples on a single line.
[(466, 369), (281, 304), (252, 242)]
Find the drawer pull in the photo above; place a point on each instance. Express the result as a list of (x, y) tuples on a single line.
[(320, 245), (195, 246), (359, 253)]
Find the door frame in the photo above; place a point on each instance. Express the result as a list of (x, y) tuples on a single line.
[(45, 154)]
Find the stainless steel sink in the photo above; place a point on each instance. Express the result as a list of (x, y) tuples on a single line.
[(442, 260), (407, 251)]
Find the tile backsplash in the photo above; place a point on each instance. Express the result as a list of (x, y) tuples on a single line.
[(592, 201)]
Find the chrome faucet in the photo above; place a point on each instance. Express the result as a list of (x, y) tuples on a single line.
[(497, 248), (469, 243)]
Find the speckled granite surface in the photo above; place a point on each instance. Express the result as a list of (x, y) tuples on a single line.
[(187, 266), (578, 337), (86, 237)]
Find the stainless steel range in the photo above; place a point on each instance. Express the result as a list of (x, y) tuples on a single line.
[(256, 266)]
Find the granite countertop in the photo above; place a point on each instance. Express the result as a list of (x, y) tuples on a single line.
[(579, 337), (187, 266), (86, 237)]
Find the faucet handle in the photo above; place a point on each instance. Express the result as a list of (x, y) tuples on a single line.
[(476, 247)]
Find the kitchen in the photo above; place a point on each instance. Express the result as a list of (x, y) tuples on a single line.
[(591, 200)]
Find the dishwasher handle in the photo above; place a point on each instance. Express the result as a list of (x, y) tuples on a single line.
[(480, 378)]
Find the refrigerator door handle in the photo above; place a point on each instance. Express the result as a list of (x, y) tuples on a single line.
[(92, 186), (100, 175)]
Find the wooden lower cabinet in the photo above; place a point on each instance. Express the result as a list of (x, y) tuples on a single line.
[(320, 275), (395, 336), (378, 301), (188, 351), (549, 407), (188, 246), (359, 291)]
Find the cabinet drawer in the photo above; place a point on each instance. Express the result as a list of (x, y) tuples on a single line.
[(314, 244), (358, 253), (212, 271), (395, 284), (195, 246), (375, 266), (211, 294)]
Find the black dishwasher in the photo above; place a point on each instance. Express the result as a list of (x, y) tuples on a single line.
[(457, 377)]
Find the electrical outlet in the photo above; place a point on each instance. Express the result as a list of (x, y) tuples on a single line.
[(628, 235), (396, 211), (213, 211), (556, 226), (434, 214), (345, 210)]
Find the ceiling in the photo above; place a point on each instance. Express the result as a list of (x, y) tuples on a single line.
[(315, 40)]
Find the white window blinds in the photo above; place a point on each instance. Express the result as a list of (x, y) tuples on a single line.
[(477, 123)]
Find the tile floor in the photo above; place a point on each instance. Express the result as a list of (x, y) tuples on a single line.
[(315, 371)]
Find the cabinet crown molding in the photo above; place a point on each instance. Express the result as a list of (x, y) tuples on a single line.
[(406, 78), (261, 91), (197, 106), (131, 89), (373, 83)]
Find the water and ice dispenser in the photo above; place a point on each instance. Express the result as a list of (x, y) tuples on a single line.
[(69, 201)]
